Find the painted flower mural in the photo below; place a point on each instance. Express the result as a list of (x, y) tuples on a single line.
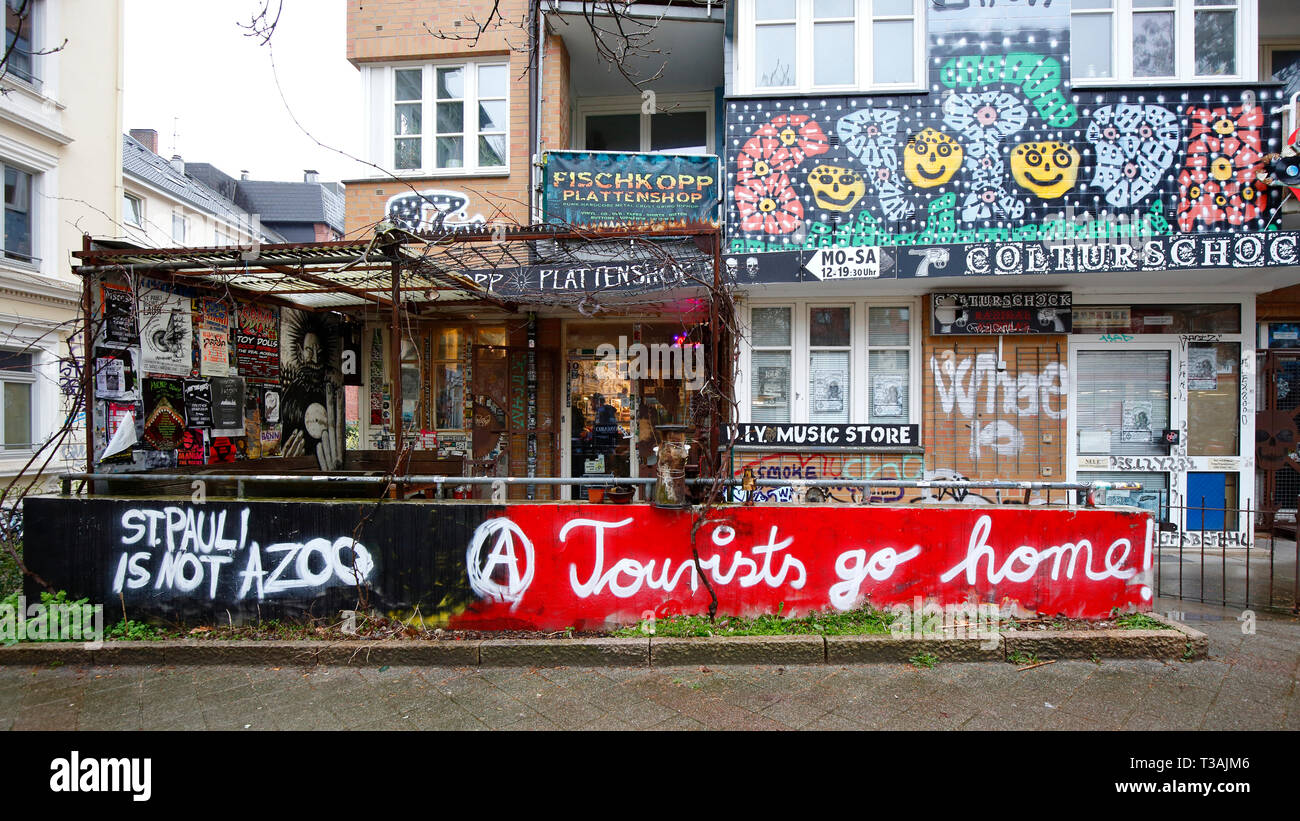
[(769, 205), (987, 117), (1135, 145), (798, 137), (1218, 183)]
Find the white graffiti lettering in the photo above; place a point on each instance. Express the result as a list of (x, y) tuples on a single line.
[(1030, 558)]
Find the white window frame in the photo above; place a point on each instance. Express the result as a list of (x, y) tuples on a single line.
[(179, 218), (139, 209), (1121, 40), (470, 132), (860, 347), (34, 29), (864, 20), (29, 379), (33, 223), (664, 104)]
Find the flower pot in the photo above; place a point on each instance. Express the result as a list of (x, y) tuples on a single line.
[(595, 495)]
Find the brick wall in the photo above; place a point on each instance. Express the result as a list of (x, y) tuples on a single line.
[(393, 30)]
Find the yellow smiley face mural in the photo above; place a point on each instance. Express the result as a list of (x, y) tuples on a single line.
[(836, 188), (931, 158), (1046, 169)]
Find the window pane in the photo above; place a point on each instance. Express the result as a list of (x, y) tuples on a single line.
[(895, 8), (448, 343), (889, 389), (406, 119), (1090, 4), (887, 326), (408, 84), (18, 415), (451, 83), (1213, 379), (18, 213), (828, 386), (685, 132), (1123, 402), (774, 9), (774, 56), (491, 81), (451, 118), (491, 150), (832, 54), (13, 362), (451, 397), (614, 132), (407, 153), (1153, 45), (490, 336), (770, 393), (893, 52), (451, 152), (771, 327), (830, 327), (1090, 45), (492, 115), (823, 9), (1153, 4), (1216, 42)]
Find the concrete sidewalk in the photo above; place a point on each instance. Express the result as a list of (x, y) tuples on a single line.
[(1249, 682)]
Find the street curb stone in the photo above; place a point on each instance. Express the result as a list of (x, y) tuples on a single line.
[(872, 649), (1084, 644), (1179, 642), (738, 650), (565, 653)]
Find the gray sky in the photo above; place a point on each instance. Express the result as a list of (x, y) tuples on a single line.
[(189, 59)]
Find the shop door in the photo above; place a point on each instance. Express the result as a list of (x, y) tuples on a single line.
[(1277, 432), (507, 394), (602, 405), (1122, 406)]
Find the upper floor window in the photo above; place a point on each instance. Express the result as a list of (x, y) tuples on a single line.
[(180, 227), (450, 117), (133, 210), (18, 215), (682, 125), (1144, 40), (20, 22), (829, 45)]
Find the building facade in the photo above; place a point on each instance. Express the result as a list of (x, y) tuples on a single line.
[(60, 127), (1020, 242)]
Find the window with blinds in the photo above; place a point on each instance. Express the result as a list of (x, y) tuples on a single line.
[(769, 392), (1123, 402)]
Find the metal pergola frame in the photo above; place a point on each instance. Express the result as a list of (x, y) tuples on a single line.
[(395, 269)]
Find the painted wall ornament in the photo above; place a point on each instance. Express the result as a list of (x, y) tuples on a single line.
[(1135, 145), (1045, 169), (1218, 182), (932, 158), (835, 187)]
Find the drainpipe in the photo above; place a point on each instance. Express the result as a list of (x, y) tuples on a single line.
[(535, 108)]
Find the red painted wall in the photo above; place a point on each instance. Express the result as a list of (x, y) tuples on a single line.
[(589, 566)]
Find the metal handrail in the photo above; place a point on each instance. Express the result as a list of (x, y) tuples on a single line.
[(1090, 488)]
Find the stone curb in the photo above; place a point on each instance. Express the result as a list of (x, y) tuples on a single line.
[(738, 650), (1179, 642), (874, 649)]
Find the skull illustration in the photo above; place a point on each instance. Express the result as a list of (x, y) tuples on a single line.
[(733, 265), (751, 267)]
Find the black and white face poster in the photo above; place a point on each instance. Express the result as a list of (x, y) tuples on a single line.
[(198, 403), (312, 395), (227, 406), (115, 374)]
